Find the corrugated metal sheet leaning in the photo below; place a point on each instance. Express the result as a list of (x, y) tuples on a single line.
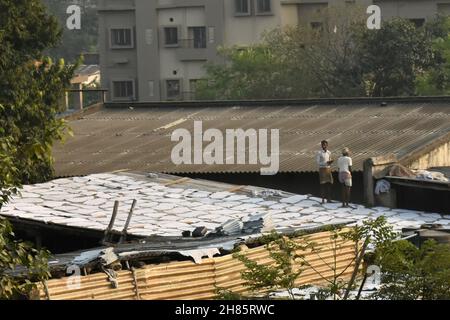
[(190, 281)]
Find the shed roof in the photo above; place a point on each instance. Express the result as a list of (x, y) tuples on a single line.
[(167, 206), (138, 136)]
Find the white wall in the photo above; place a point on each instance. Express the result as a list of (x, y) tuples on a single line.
[(186, 70), (245, 30), (407, 9)]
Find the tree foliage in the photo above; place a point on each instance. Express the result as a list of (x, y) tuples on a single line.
[(368, 234), (32, 87), (436, 80), (393, 57), (75, 42), (14, 256), (411, 273), (288, 261), (341, 58), (324, 58), (287, 265), (251, 73)]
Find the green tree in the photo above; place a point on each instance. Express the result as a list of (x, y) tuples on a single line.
[(250, 73), (287, 265), (339, 58), (411, 273), (21, 266), (375, 233), (74, 42), (394, 56), (288, 262), (325, 56), (370, 233), (32, 89), (291, 62), (436, 81)]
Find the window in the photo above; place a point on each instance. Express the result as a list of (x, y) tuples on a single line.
[(242, 7), (151, 88), (198, 36), (211, 34), (316, 25), (121, 38), (149, 36), (173, 89), (263, 6), (123, 89), (310, 12), (171, 36), (241, 49), (193, 83), (444, 9), (418, 22)]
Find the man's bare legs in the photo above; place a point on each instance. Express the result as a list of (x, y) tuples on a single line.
[(346, 192), (322, 192), (325, 191), (347, 195)]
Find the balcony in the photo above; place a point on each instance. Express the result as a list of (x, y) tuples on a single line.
[(192, 50)]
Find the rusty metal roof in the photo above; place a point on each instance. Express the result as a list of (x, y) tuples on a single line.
[(138, 136), (185, 280)]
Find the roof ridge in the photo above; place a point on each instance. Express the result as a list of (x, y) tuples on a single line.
[(279, 102)]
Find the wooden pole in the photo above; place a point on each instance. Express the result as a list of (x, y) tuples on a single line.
[(356, 269), (130, 214), (111, 222)]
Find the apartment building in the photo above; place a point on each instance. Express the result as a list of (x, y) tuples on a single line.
[(153, 50)]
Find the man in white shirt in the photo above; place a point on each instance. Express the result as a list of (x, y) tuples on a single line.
[(344, 164), (324, 161)]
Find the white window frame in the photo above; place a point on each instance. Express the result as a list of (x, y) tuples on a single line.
[(114, 46)]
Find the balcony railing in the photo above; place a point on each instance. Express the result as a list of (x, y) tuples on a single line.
[(77, 99), (192, 43)]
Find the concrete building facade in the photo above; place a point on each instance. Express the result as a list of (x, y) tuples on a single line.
[(153, 50)]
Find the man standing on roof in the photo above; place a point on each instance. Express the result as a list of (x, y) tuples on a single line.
[(323, 159), (344, 164)]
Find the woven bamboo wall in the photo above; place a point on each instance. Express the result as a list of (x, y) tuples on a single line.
[(190, 281)]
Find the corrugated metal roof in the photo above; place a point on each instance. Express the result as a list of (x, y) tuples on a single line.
[(138, 138), (87, 70), (189, 281)]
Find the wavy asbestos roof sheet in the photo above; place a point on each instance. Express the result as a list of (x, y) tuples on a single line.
[(139, 137)]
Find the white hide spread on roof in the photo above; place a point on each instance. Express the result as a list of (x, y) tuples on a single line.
[(87, 202)]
